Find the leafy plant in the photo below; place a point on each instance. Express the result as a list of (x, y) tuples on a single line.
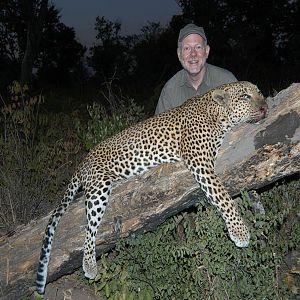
[(191, 257), (105, 121)]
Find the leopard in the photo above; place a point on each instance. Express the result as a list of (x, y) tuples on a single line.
[(192, 132)]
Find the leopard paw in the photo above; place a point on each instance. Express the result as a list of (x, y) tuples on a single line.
[(89, 266), (239, 234)]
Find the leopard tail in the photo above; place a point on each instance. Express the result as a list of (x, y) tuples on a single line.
[(50, 230)]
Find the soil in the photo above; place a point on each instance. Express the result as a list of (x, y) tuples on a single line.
[(70, 287)]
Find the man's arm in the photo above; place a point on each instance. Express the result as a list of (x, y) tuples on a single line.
[(163, 104), (230, 78)]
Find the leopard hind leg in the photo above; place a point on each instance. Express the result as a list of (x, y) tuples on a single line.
[(96, 201)]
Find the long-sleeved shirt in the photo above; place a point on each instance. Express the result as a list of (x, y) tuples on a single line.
[(178, 89)]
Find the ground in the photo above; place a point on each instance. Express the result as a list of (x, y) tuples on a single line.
[(70, 287)]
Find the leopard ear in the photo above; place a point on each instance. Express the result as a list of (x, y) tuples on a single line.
[(221, 97)]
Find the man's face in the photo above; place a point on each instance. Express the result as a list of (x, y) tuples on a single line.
[(192, 53)]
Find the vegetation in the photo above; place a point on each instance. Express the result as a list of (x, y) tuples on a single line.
[(191, 257), (36, 158), (104, 121), (40, 150)]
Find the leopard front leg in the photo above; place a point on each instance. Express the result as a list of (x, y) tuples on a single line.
[(219, 197), (96, 201)]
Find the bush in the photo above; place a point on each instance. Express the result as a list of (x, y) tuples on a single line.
[(37, 154), (104, 121), (191, 256)]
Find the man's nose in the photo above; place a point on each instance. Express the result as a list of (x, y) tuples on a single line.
[(193, 51)]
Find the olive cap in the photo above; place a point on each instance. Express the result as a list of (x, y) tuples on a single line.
[(190, 29)]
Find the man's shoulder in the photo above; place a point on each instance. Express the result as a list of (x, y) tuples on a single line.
[(218, 73), (176, 80)]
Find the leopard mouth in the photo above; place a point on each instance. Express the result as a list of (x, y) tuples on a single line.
[(262, 112), (259, 114)]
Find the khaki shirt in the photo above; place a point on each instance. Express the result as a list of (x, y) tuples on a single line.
[(178, 89)]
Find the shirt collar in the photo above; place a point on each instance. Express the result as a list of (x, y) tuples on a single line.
[(206, 79)]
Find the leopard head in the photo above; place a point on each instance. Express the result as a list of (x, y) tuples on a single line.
[(242, 102)]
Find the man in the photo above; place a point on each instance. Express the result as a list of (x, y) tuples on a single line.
[(197, 76)]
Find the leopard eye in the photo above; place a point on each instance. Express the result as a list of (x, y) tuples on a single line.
[(246, 96)]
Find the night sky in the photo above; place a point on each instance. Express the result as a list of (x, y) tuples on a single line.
[(133, 14)]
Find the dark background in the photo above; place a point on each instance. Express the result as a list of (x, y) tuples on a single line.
[(257, 40)]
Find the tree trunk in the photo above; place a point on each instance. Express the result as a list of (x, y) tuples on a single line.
[(34, 33), (252, 156)]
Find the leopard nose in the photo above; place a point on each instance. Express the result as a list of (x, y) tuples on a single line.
[(263, 111)]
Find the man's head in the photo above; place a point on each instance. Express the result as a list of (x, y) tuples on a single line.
[(192, 48)]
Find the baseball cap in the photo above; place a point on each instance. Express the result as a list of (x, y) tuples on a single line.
[(189, 29)]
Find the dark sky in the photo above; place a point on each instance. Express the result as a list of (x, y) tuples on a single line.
[(133, 14)]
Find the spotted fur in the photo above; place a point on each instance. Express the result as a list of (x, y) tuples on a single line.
[(192, 132)]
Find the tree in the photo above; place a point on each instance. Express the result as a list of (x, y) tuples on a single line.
[(36, 15), (31, 38), (60, 55), (111, 55), (155, 52), (156, 61), (12, 40)]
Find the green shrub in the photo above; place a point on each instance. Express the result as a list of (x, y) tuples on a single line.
[(104, 121), (191, 256)]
